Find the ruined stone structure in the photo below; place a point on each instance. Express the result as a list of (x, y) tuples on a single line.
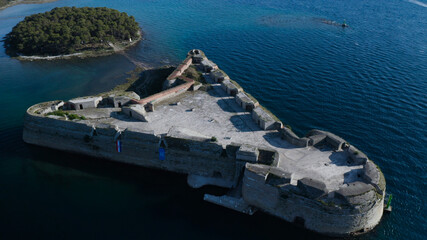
[(220, 136), (84, 103)]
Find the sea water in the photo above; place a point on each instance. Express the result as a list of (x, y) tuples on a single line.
[(366, 83)]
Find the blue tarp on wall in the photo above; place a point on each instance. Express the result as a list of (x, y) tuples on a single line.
[(162, 154)]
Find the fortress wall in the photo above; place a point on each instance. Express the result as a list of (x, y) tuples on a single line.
[(200, 147), (203, 157), (181, 161), (311, 188), (356, 155), (139, 148), (292, 138), (318, 136), (358, 194), (180, 69), (322, 219), (136, 111), (289, 202), (172, 92), (374, 176), (256, 192), (371, 174), (74, 137)]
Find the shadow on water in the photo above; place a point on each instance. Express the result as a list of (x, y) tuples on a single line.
[(185, 204), (63, 182)]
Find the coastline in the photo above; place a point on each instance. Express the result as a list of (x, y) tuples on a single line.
[(17, 2), (115, 48)]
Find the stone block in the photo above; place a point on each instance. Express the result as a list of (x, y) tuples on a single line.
[(247, 153), (371, 173), (353, 189), (311, 188)]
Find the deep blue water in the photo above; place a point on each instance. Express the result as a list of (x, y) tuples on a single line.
[(366, 83)]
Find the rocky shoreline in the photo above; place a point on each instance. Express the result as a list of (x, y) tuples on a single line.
[(16, 2), (115, 48)]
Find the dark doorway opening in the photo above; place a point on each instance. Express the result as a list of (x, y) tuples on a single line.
[(81, 106)]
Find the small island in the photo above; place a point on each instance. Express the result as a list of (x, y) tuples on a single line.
[(70, 31)]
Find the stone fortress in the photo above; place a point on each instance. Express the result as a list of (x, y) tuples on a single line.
[(217, 134)]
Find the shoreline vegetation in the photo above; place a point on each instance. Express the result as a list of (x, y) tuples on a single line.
[(114, 48), (9, 3), (69, 32)]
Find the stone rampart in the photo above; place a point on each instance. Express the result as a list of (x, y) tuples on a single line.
[(311, 188), (255, 191), (180, 69), (323, 218), (137, 147), (292, 138), (318, 137), (356, 155), (136, 111), (269, 189), (169, 93)]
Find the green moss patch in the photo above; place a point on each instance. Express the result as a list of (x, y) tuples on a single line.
[(70, 116), (194, 74)]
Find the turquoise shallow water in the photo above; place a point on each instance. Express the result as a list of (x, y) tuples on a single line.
[(367, 83)]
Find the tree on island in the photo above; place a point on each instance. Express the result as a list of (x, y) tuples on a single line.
[(4, 2), (68, 30)]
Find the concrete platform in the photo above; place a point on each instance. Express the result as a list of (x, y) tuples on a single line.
[(216, 114)]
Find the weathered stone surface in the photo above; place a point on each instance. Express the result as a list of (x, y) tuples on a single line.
[(136, 111), (291, 137), (354, 188), (247, 153), (237, 204), (263, 119), (311, 188), (85, 102), (230, 88), (318, 136)]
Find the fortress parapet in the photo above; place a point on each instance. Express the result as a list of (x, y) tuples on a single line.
[(218, 134)]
